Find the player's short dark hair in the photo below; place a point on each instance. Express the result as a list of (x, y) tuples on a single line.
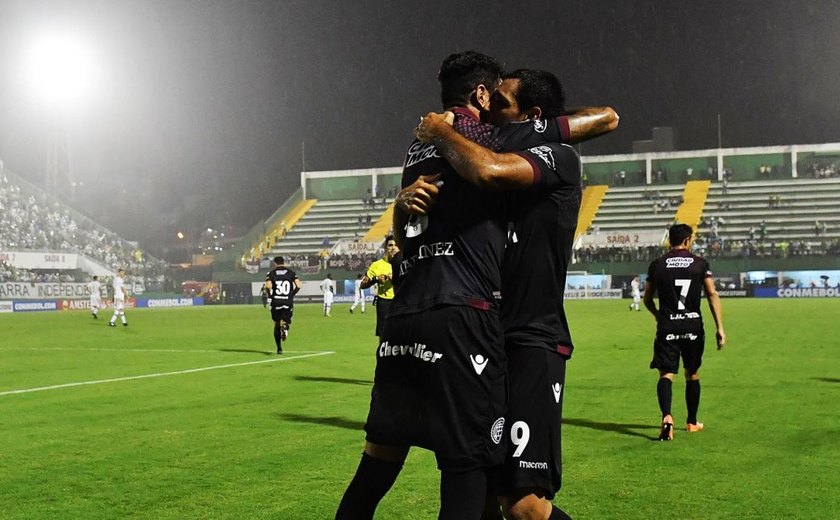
[(279, 260), (462, 72), (539, 88), (95, 277), (389, 238), (678, 233)]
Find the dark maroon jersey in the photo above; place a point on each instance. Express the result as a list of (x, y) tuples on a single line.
[(678, 277), (542, 223), (282, 287), (452, 256)]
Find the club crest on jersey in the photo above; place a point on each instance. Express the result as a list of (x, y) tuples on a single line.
[(540, 125), (678, 262), (420, 152), (497, 430), (544, 153)]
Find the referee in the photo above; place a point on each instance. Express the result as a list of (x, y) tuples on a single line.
[(381, 274)]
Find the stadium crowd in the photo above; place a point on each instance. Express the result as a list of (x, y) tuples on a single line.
[(32, 223)]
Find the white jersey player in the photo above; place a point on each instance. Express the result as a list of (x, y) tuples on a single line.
[(358, 295), (328, 288), (635, 293), (95, 289), (119, 298)]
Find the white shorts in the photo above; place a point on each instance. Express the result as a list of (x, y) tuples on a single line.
[(119, 304), (328, 299), (95, 302)]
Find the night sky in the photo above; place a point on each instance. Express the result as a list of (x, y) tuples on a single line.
[(205, 106)]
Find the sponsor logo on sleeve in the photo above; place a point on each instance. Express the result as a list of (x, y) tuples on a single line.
[(418, 152), (544, 153)]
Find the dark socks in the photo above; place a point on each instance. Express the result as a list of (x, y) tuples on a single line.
[(663, 392), (558, 514), (277, 337), (692, 400), (374, 477), (462, 494)]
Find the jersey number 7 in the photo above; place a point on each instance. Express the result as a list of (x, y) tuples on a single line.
[(683, 285)]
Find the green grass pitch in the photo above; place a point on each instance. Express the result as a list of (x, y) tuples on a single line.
[(260, 436)]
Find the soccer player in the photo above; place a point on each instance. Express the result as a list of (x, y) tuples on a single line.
[(440, 379), (543, 213), (95, 289), (358, 294), (282, 284), (678, 277), (381, 273), (328, 288), (635, 293), (119, 298)]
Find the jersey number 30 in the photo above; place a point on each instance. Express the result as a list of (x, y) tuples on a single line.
[(284, 287)]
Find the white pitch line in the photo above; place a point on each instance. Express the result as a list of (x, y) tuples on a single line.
[(185, 351), (161, 374)]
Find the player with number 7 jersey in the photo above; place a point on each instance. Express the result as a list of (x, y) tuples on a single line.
[(679, 277)]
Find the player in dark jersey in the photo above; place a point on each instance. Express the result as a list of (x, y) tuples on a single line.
[(282, 285), (440, 378), (543, 218), (679, 277)]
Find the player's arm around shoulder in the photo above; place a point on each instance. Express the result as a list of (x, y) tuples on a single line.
[(588, 123), (476, 164), (717, 310)]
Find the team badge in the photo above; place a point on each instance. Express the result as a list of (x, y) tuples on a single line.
[(497, 430), (540, 125)]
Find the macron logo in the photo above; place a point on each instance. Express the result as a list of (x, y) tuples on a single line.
[(478, 363), (557, 388)]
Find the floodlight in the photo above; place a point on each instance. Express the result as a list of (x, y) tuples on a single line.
[(61, 69)]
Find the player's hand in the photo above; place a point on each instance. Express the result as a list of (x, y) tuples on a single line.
[(720, 336), (419, 197), (432, 124)]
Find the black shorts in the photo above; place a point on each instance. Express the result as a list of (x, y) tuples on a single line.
[(282, 313), (535, 411), (383, 309), (441, 384), (669, 346)]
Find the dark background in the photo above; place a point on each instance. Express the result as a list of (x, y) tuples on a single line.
[(208, 105)]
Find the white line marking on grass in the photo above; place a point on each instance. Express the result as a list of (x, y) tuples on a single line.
[(186, 351), (161, 374)]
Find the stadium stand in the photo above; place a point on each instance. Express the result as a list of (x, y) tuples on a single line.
[(329, 221), (633, 208), (31, 220), (777, 218)]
